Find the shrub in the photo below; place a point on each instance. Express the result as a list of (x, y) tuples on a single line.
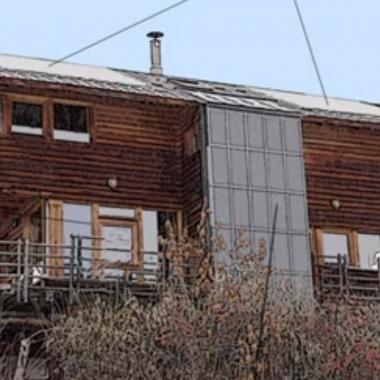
[(218, 327)]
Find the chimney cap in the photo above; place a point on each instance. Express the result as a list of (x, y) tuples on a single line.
[(155, 35)]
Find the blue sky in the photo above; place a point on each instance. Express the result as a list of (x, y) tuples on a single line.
[(255, 42)]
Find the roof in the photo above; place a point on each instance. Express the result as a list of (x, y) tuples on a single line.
[(103, 78), (341, 108), (218, 93), (201, 91), (274, 100)]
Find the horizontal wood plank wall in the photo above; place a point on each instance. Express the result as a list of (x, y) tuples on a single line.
[(192, 176), (137, 139), (343, 162)]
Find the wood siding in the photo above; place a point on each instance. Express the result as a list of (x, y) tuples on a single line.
[(139, 140), (192, 176), (342, 162)]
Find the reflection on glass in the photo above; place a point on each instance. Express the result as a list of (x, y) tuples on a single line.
[(369, 250), (334, 244), (77, 221), (150, 234), (117, 249)]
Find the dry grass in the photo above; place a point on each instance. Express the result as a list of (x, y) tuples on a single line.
[(214, 327)]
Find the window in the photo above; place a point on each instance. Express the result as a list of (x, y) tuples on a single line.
[(118, 230), (369, 250), (115, 241), (361, 249), (119, 247), (335, 244), (71, 123), (191, 145), (27, 118), (77, 220)]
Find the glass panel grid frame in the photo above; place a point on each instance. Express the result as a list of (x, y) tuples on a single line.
[(286, 186)]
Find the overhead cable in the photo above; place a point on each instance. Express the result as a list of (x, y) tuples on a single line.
[(310, 47), (120, 31)]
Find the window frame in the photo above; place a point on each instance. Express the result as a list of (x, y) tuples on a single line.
[(76, 137), (54, 230), (191, 145), (8, 114), (352, 241), (359, 256), (123, 223), (47, 104)]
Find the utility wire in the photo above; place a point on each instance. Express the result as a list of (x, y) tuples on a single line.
[(120, 31), (310, 47)]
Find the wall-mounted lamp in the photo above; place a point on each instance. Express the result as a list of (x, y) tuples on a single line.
[(112, 183), (336, 204)]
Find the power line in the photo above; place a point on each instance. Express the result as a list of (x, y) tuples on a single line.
[(310, 47), (120, 31)]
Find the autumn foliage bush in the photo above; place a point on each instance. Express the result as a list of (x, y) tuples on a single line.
[(219, 326)]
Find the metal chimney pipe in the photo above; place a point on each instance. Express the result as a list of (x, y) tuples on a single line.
[(155, 52)]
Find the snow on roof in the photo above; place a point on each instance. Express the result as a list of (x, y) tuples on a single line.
[(203, 91), (315, 104), (66, 69), (93, 77)]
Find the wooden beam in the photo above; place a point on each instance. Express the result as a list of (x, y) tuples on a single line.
[(56, 236)]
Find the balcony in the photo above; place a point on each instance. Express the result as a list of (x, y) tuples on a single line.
[(335, 279), (44, 274)]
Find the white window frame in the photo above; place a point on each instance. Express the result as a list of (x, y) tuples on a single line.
[(26, 130), (71, 136), (62, 135)]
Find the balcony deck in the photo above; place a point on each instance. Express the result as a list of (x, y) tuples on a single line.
[(338, 280), (37, 276)]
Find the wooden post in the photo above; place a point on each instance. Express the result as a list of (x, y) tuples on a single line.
[(22, 361)]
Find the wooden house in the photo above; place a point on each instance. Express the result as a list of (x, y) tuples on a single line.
[(93, 161), (92, 153)]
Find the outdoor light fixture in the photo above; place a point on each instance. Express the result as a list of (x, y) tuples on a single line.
[(112, 183), (336, 204)]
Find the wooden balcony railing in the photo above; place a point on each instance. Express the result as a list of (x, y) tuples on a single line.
[(335, 278)]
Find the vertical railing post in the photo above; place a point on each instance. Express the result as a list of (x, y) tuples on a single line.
[(378, 272), (314, 274), (340, 274), (26, 270), (19, 273), (346, 279), (71, 268), (79, 262)]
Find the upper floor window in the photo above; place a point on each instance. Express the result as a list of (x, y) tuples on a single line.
[(27, 118), (191, 145), (71, 123)]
